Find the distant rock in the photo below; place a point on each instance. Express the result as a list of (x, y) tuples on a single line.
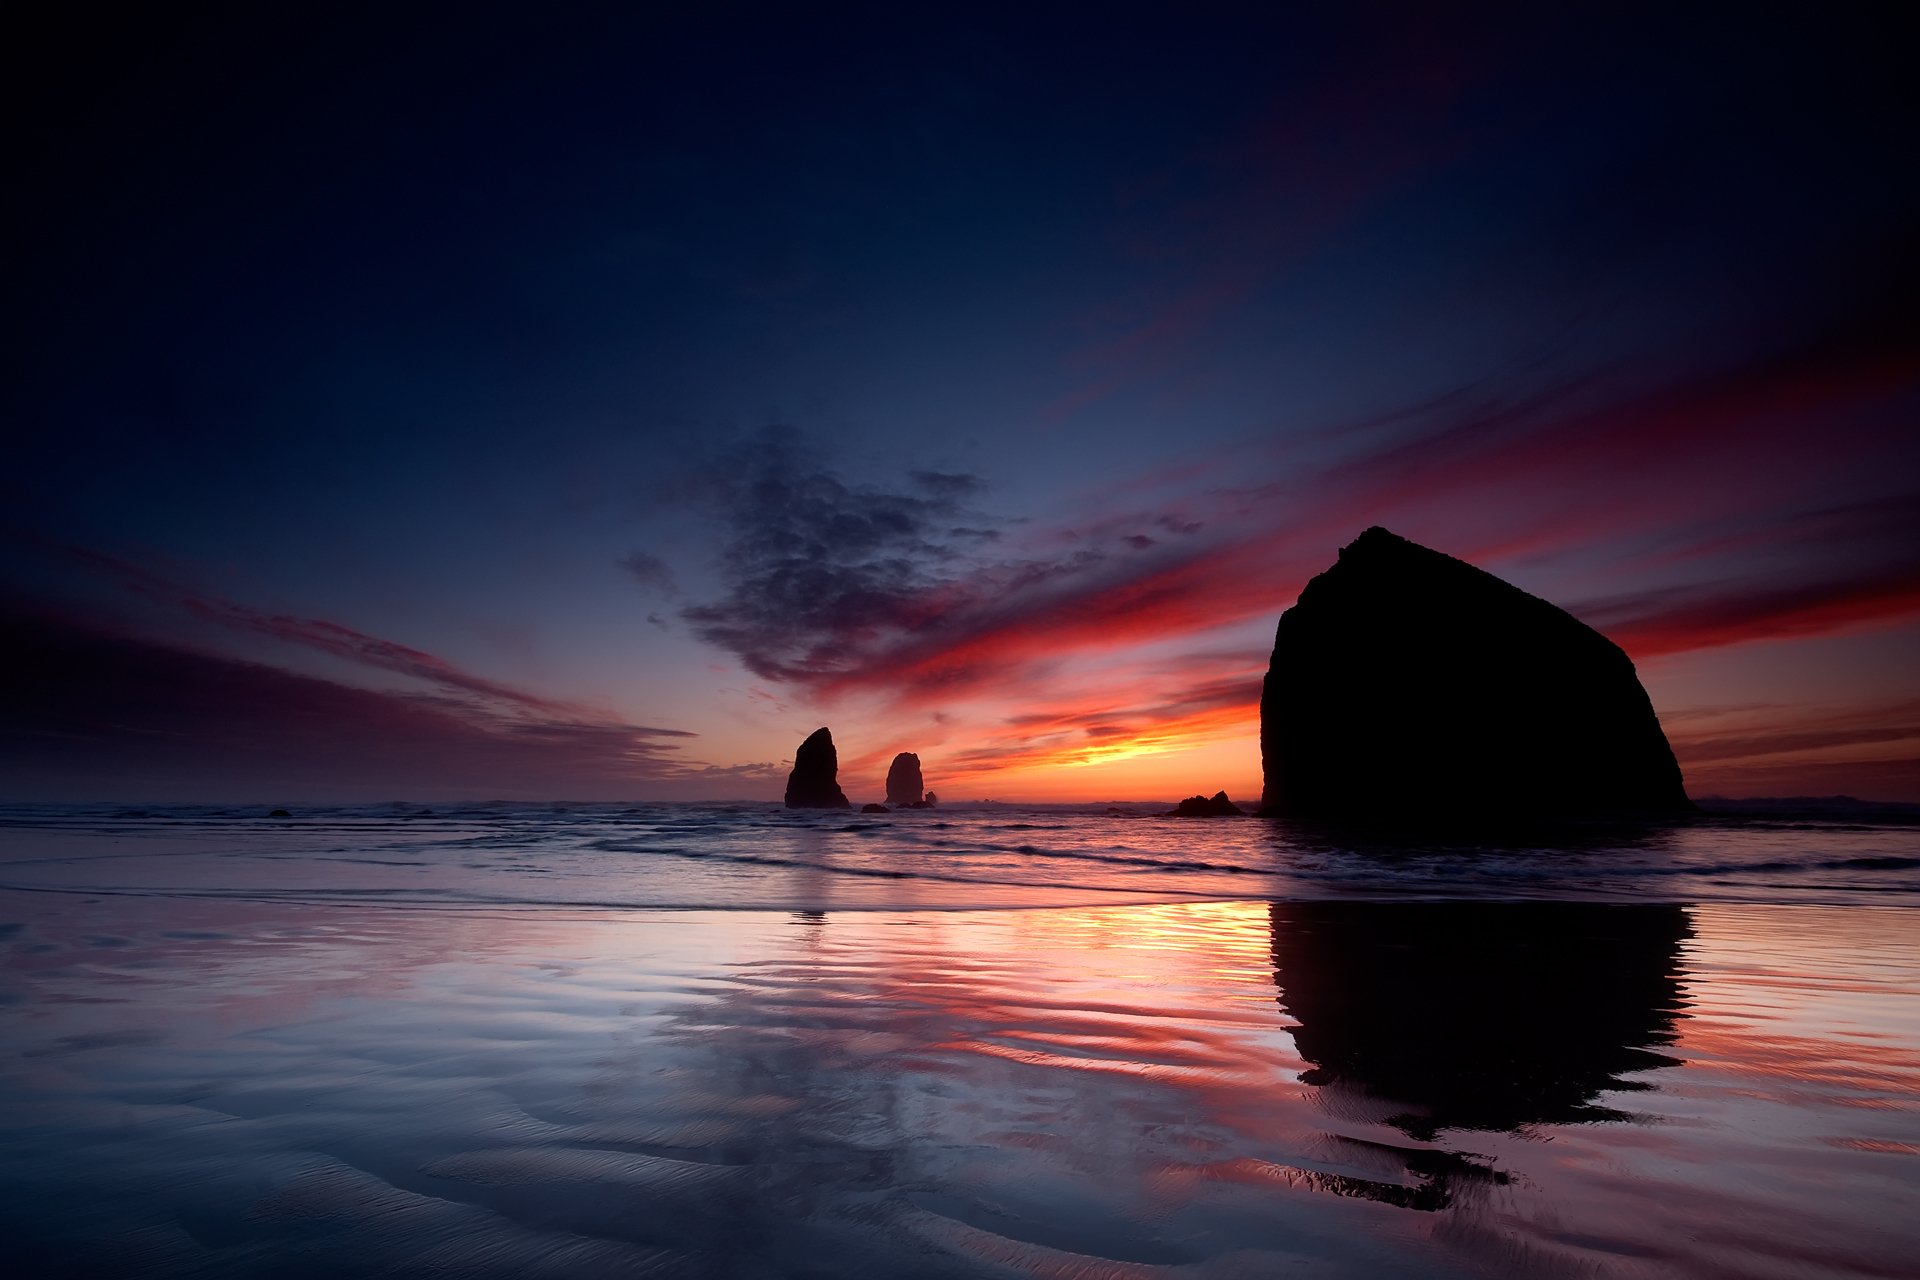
[(279, 813), (904, 784), (814, 782), (1407, 685), (874, 808), (1202, 807)]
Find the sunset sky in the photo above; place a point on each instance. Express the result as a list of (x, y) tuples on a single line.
[(537, 402)]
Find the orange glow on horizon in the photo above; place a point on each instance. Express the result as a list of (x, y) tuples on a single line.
[(1192, 728)]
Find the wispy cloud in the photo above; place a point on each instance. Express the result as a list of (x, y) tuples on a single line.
[(1797, 731), (384, 655), (94, 715), (451, 683), (172, 712), (1680, 619), (835, 588), (650, 571), (1861, 750), (820, 573)]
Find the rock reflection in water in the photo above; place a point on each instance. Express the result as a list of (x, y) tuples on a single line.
[(230, 1089), (1478, 1015)]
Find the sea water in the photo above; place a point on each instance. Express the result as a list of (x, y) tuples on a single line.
[(993, 1041)]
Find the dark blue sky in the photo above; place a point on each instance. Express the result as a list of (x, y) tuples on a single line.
[(981, 382)]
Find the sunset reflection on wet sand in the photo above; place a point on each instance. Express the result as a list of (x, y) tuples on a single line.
[(1213, 1088)]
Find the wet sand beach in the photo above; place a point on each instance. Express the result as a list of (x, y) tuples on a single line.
[(212, 1080)]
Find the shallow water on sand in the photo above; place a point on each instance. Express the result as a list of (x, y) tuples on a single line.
[(527, 857), (240, 1048)]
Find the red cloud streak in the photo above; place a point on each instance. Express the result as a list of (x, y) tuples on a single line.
[(1555, 487), (1778, 614), (87, 712)]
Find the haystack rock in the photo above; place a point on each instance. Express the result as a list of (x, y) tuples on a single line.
[(1201, 807), (814, 782), (904, 783), (1408, 685)]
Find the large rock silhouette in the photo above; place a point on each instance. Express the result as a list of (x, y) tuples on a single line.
[(814, 782), (904, 783), (1408, 685)]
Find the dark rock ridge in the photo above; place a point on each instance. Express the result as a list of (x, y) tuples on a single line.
[(814, 782), (874, 808), (1408, 685), (1201, 807), (904, 784)]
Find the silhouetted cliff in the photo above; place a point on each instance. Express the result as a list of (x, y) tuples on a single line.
[(904, 783), (1406, 684), (814, 782)]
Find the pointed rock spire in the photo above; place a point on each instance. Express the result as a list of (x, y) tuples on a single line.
[(814, 782), (904, 783)]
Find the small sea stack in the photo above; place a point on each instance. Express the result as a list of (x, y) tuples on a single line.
[(905, 786), (874, 808), (814, 782), (1218, 806), (1407, 685)]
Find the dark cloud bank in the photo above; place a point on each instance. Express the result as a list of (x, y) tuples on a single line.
[(831, 585), (87, 715), (819, 573)]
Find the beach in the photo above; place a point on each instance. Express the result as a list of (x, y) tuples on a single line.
[(380, 1042)]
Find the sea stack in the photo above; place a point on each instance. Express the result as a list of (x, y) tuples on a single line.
[(904, 783), (814, 782), (1407, 685), (1201, 807)]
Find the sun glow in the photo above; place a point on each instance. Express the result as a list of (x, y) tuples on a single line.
[(1143, 746)]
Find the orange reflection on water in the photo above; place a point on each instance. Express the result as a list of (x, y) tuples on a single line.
[(1411, 1088), (1807, 1004)]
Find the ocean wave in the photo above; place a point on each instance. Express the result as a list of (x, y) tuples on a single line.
[(764, 857)]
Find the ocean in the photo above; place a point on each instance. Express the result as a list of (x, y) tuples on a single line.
[(997, 1040)]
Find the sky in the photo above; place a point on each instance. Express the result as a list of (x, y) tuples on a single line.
[(557, 402)]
